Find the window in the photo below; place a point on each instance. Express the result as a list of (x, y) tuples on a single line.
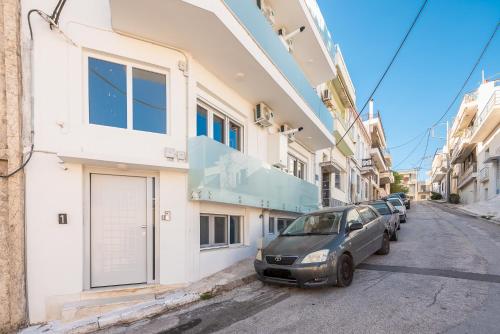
[(219, 127), (201, 121), (215, 231), (353, 217), (296, 167), (271, 227), (382, 208), (338, 183), (235, 136), (283, 223), (367, 214), (149, 101), (108, 95)]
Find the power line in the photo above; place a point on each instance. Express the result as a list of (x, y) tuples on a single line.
[(386, 70), (425, 151), (414, 148), (406, 143), (470, 74)]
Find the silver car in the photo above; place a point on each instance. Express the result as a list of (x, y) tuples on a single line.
[(323, 247)]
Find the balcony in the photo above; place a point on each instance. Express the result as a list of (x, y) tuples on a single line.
[(217, 173), (466, 113), (386, 177), (378, 158), (484, 174), (488, 120), (233, 40), (463, 147), (467, 176), (346, 146)]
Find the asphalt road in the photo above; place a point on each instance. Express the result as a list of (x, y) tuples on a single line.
[(442, 276)]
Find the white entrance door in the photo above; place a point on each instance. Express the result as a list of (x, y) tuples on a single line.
[(118, 230)]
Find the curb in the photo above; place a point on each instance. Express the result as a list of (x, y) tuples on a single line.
[(467, 212), (162, 304)]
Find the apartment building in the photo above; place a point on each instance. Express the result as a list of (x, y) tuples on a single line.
[(438, 174), (424, 190), (475, 145), (176, 137), (380, 159), (409, 179)]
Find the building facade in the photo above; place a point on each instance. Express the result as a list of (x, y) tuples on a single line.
[(475, 145), (171, 150), (381, 160), (409, 179)]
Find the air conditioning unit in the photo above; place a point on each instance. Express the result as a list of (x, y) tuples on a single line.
[(278, 150), (264, 115), (290, 137)]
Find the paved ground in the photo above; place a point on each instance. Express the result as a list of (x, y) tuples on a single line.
[(442, 276)]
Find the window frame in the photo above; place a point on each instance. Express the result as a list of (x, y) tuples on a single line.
[(211, 231), (211, 111), (296, 161), (129, 65)]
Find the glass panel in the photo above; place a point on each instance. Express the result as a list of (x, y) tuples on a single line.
[(281, 225), (323, 223), (301, 168), (204, 228), (107, 93), (235, 136), (234, 230), (220, 174), (382, 208), (150, 101), (201, 122), (220, 230), (353, 216), (256, 24), (271, 225), (219, 129)]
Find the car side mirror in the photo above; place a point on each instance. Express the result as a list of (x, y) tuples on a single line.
[(396, 211), (355, 226)]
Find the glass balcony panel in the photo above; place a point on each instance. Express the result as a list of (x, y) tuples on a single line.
[(262, 32), (221, 174)]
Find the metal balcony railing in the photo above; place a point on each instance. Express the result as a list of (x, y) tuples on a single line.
[(484, 174), (467, 175)]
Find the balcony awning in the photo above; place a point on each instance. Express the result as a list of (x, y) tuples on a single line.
[(241, 49)]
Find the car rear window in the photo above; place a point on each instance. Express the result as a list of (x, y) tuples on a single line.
[(382, 208)]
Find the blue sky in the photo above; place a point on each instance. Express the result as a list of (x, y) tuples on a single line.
[(429, 70)]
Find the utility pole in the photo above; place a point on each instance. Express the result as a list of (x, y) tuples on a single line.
[(448, 165)]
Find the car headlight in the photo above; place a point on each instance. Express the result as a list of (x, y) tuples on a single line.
[(259, 255), (315, 257)]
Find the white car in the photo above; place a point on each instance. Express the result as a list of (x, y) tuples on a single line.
[(398, 204)]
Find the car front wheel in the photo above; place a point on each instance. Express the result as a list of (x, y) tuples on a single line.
[(394, 235), (386, 245), (345, 271)]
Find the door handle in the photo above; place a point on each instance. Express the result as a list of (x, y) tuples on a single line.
[(143, 226)]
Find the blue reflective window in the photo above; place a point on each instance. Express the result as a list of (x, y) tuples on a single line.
[(201, 121), (218, 129), (149, 101), (235, 136), (107, 93)]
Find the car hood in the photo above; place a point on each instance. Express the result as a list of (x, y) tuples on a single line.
[(298, 245), (386, 218), (400, 208)]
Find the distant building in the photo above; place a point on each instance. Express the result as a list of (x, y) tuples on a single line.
[(409, 179)]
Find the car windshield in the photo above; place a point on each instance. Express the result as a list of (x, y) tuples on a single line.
[(382, 208), (395, 202), (319, 223)]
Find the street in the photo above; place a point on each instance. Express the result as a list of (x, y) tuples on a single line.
[(442, 276)]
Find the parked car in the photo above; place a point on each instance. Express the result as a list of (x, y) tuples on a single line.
[(399, 205), (390, 217), (403, 197), (323, 247)]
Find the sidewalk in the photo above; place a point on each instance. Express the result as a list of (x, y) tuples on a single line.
[(489, 210), (237, 275)]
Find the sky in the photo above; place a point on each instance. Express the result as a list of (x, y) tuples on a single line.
[(430, 69)]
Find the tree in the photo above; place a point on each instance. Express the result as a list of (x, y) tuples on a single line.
[(397, 187)]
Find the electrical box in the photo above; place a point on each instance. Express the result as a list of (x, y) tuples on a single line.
[(278, 150)]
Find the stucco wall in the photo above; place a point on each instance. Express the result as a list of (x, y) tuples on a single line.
[(12, 287)]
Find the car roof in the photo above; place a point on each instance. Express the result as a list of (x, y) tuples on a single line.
[(332, 209)]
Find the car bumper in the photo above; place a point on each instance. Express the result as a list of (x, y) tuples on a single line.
[(302, 275)]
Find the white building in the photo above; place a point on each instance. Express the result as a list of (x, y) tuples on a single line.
[(475, 145), (409, 179), (155, 130)]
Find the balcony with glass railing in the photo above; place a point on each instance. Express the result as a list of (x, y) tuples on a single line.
[(468, 175), (252, 18), (488, 119), (218, 173)]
